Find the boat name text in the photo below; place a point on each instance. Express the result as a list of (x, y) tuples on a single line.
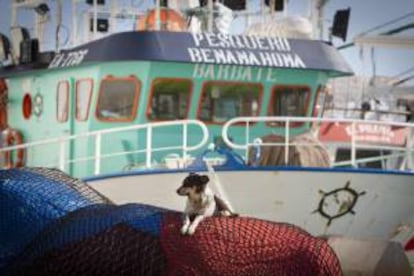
[(212, 40), (234, 73), (68, 59), (243, 50), (372, 133)]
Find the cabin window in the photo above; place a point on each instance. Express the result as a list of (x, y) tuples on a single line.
[(170, 99), (290, 101), (118, 99), (62, 101), (221, 101), (83, 98)]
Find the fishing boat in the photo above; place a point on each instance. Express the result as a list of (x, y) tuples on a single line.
[(133, 112)]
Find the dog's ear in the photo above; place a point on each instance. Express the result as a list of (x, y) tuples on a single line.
[(189, 179), (204, 179), (201, 188)]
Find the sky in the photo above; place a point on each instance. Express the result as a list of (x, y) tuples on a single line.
[(365, 14)]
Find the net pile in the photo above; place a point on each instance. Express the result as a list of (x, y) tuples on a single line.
[(31, 198), (245, 246), (99, 238)]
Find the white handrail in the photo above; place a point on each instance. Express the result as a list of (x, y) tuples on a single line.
[(97, 156), (354, 143), (98, 144)]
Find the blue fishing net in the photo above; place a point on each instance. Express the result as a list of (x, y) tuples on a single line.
[(80, 231), (32, 198)]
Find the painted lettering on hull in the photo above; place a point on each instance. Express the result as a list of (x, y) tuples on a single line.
[(68, 59), (243, 50), (233, 73)]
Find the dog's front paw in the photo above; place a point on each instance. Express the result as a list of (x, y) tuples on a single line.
[(184, 229), (191, 230)]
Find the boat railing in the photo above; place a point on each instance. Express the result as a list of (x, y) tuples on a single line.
[(394, 140), (97, 137)]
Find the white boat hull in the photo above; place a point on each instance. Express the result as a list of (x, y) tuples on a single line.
[(362, 205)]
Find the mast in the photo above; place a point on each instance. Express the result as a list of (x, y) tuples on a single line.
[(157, 26), (210, 20), (95, 19), (58, 23), (316, 15)]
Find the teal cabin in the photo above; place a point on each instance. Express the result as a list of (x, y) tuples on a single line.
[(135, 78)]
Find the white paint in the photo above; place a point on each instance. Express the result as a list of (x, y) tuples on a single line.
[(287, 196)]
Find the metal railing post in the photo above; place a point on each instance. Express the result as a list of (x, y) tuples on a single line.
[(246, 155), (62, 154), (409, 151), (287, 141), (185, 142), (148, 153), (353, 146), (98, 144)]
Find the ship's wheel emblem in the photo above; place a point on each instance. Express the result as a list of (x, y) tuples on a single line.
[(338, 202)]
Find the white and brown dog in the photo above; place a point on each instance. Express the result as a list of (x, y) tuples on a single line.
[(201, 202)]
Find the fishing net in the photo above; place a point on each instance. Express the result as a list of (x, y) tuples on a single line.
[(100, 238), (30, 198), (97, 240), (245, 246)]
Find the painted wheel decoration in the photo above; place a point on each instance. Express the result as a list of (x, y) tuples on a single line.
[(338, 202), (38, 104)]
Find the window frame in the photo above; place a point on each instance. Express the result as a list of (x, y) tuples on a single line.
[(320, 89), (135, 103), (203, 93), (151, 94), (65, 82), (89, 99), (273, 92)]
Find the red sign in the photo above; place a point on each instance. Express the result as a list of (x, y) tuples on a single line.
[(364, 132)]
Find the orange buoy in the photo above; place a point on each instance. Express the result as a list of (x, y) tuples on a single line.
[(13, 137), (170, 20)]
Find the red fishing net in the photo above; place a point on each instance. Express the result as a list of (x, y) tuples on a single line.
[(245, 246)]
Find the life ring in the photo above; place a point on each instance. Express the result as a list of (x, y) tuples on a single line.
[(13, 137)]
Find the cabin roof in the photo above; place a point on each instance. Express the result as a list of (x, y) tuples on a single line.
[(207, 48)]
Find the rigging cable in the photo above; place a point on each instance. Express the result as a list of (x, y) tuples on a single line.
[(400, 29), (387, 23)]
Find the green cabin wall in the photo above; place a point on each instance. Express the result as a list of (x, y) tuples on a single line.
[(46, 126)]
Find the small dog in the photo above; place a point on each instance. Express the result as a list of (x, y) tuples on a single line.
[(201, 202)]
